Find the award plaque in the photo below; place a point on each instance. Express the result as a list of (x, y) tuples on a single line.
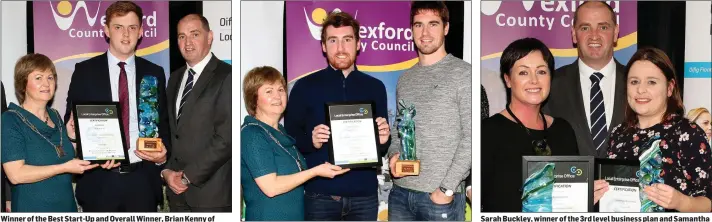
[(148, 116), (557, 183), (353, 142), (623, 193), (150, 144), (100, 136), (407, 163)]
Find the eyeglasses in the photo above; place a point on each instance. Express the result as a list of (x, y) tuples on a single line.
[(541, 148)]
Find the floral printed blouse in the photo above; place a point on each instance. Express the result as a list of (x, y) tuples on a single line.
[(687, 160)]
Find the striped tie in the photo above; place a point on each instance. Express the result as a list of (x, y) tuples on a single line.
[(599, 130), (186, 91)]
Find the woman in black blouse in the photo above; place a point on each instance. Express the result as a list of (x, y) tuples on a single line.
[(654, 121), (521, 129)]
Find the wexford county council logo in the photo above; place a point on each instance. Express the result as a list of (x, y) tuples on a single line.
[(403, 36), (578, 172), (318, 16), (64, 7), (64, 15)]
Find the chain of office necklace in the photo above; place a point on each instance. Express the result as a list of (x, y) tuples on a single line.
[(57, 148), (280, 145)]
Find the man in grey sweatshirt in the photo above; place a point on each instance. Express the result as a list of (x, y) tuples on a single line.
[(440, 88)]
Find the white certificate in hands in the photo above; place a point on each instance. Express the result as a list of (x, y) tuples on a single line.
[(354, 135), (623, 193), (99, 133)]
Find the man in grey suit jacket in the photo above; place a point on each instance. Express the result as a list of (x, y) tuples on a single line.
[(198, 171), (590, 93)]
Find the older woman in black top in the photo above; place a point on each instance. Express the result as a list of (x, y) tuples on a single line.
[(521, 129), (654, 122)]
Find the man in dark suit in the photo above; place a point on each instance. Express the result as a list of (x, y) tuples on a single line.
[(116, 76), (590, 93), (199, 170)]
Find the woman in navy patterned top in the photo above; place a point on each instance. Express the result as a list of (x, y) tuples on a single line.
[(654, 121)]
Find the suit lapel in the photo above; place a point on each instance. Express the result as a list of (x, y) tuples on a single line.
[(104, 77), (140, 73), (172, 94), (198, 88), (139, 76), (576, 98)]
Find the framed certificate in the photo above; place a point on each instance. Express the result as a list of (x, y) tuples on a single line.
[(100, 136), (557, 183), (623, 193), (354, 134)]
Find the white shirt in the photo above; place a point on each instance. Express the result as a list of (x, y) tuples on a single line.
[(198, 69), (608, 89), (114, 72)]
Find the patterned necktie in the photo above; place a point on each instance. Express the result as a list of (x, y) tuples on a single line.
[(599, 130), (124, 101), (186, 91)]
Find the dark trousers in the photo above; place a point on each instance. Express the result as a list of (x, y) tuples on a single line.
[(322, 207), (177, 203), (186, 208), (102, 190)]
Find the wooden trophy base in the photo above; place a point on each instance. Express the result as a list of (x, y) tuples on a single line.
[(150, 144), (408, 167)]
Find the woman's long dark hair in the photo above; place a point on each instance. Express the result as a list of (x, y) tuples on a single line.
[(661, 60)]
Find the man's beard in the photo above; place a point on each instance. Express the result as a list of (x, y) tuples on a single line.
[(340, 65), (429, 49)]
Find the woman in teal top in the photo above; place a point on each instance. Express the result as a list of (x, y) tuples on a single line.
[(37, 155), (273, 170)]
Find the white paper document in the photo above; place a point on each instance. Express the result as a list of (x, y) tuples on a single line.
[(354, 141), (569, 197), (101, 139), (620, 199)]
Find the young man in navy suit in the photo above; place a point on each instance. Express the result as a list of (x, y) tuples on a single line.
[(115, 76)]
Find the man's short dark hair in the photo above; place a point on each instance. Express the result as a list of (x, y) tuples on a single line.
[(203, 20), (338, 20), (610, 9), (437, 7)]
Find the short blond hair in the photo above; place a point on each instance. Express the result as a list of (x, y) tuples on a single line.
[(693, 114), (25, 66), (254, 79)]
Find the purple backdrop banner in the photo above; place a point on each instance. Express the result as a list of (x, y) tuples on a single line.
[(69, 32), (385, 35), (386, 50), (386, 44), (503, 22)]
